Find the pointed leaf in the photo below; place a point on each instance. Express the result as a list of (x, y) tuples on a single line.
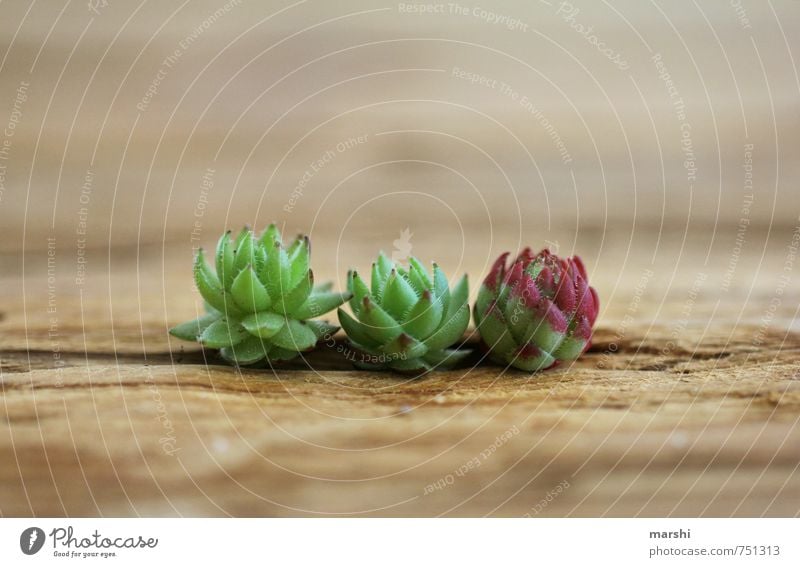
[(446, 358), (249, 293), (297, 297), (249, 351), (190, 330), (224, 260), (421, 271), (278, 273), (278, 354), (379, 324), (222, 333), (494, 332), (269, 237), (207, 283), (398, 297), (322, 330), (320, 303), (359, 290), (459, 295), (425, 317), (356, 331), (243, 255), (264, 324), (441, 287), (450, 331), (378, 281), (295, 336), (405, 347), (299, 259)]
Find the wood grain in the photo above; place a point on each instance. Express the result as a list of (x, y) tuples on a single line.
[(662, 417)]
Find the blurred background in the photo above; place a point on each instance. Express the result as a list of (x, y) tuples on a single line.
[(638, 134)]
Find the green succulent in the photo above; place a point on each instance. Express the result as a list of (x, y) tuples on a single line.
[(260, 299), (406, 320)]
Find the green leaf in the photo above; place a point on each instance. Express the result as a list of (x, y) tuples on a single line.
[(410, 365), (570, 349), (399, 296), (485, 298), (259, 258), (446, 358), (378, 281), (207, 283), (425, 317), (459, 295), (450, 330), (299, 258), (359, 290), (356, 331), (295, 336), (296, 297), (378, 323), (224, 260), (278, 354), (249, 293), (243, 255), (421, 270), (318, 304), (190, 330), (269, 237), (249, 351), (494, 332), (441, 287), (264, 324), (222, 333), (405, 347), (418, 276), (323, 288), (322, 329), (240, 238), (278, 273)]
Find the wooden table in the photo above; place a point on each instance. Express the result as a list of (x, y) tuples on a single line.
[(686, 405)]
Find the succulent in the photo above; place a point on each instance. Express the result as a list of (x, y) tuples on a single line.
[(536, 313), (406, 320), (260, 299)]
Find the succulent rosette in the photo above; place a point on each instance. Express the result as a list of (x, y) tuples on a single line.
[(407, 319), (537, 312), (260, 299)]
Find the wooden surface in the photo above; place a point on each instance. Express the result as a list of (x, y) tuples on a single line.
[(690, 407), (679, 191)]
